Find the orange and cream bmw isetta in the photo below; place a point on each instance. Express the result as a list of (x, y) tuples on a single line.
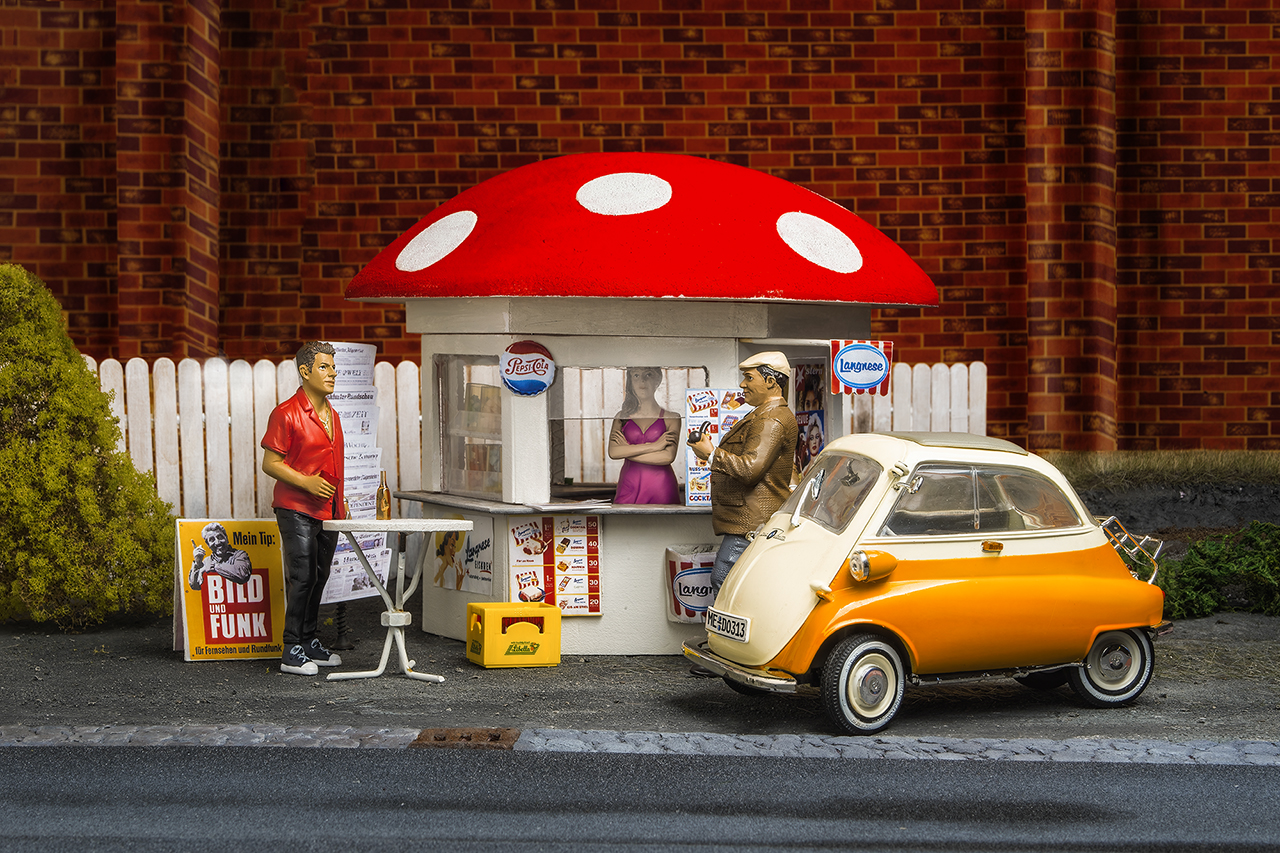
[(928, 557)]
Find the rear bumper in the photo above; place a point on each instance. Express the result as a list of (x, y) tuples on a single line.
[(772, 681)]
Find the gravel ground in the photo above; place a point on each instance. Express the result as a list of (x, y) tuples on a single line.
[(1215, 679)]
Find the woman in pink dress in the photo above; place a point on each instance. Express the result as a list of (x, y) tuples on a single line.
[(647, 439)]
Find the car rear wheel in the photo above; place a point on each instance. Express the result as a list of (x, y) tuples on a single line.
[(862, 684), (1116, 670)]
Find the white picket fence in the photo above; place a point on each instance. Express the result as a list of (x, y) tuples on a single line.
[(197, 425), (927, 398)]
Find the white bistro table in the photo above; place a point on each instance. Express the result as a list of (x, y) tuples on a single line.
[(395, 618)]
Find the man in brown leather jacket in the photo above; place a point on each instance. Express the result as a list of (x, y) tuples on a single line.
[(751, 469)]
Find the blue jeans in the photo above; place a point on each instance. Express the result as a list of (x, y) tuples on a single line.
[(308, 551), (731, 548)]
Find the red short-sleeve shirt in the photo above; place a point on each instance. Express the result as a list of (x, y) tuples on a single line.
[(295, 432)]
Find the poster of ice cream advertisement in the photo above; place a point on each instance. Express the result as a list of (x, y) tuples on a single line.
[(556, 559), (462, 560), (713, 412), (231, 583)]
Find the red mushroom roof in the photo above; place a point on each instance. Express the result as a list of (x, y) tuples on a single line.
[(646, 225)]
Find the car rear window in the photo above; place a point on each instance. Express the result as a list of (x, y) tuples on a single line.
[(833, 489), (940, 500)]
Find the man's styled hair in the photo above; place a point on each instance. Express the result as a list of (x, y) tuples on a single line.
[(777, 376), (306, 356), (211, 526)]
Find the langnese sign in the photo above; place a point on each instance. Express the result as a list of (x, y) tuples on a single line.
[(861, 367)]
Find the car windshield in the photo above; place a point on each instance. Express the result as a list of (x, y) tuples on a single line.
[(833, 489)]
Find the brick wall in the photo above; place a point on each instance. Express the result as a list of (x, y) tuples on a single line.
[(1092, 185)]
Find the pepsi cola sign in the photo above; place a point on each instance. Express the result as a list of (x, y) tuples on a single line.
[(527, 368), (860, 365)]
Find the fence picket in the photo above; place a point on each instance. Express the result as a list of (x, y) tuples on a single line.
[(137, 397), (191, 439), (264, 400), (958, 377), (287, 380), (111, 379), (978, 398), (165, 415), (217, 438), (408, 447), (939, 398), (243, 438)]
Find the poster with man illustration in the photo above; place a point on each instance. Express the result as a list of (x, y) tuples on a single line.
[(229, 579)]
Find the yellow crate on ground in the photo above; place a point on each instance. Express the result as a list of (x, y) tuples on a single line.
[(503, 633)]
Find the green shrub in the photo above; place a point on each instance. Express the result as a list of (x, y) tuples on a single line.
[(85, 537), (1237, 572)]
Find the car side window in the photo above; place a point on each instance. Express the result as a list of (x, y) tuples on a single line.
[(940, 500), (1035, 502), (935, 500)]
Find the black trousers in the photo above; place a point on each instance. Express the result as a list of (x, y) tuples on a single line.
[(308, 551)]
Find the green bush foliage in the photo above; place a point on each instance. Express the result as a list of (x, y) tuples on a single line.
[(1238, 572), (85, 537)]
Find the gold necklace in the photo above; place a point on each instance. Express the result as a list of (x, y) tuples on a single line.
[(325, 422)]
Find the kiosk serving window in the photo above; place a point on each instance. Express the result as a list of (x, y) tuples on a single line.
[(470, 398), (585, 401)]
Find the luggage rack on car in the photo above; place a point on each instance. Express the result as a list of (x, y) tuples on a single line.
[(1138, 555)]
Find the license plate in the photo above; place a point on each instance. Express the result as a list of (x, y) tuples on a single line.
[(730, 627)]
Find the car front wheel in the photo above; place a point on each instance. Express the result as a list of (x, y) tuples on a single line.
[(862, 684), (1116, 670)]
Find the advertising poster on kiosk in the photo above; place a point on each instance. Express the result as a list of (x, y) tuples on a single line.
[(715, 411), (463, 560), (231, 578), (556, 559), (809, 382)]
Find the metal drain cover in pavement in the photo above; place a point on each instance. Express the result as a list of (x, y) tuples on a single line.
[(479, 738)]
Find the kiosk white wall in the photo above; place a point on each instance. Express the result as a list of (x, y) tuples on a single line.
[(604, 332)]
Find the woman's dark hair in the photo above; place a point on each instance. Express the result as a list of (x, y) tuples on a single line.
[(444, 540), (629, 402)]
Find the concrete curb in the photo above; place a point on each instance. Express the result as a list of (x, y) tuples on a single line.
[(1254, 753)]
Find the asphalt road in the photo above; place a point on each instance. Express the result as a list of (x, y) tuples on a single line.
[(1215, 679), (173, 798)]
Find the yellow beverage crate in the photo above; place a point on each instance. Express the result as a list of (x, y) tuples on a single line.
[(501, 633)]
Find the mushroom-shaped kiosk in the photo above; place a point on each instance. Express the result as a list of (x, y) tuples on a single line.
[(609, 261)]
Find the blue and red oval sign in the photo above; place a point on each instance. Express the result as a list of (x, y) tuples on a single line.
[(527, 368), (860, 365)]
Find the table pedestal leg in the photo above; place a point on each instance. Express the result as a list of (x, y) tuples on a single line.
[(395, 619), (367, 673)]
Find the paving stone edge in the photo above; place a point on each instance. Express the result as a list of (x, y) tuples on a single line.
[(1259, 753)]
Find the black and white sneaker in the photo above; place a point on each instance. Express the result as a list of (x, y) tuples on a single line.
[(295, 661), (321, 656)]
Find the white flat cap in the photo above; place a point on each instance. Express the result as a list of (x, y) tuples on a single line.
[(773, 360)]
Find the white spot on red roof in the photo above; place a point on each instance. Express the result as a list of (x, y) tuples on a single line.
[(624, 194), (436, 241), (819, 241)]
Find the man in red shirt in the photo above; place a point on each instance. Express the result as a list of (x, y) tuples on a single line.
[(303, 452)]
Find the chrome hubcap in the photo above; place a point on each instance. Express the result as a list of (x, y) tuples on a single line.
[(871, 685), (1114, 663)]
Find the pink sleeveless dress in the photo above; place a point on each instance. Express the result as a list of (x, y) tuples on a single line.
[(640, 482)]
